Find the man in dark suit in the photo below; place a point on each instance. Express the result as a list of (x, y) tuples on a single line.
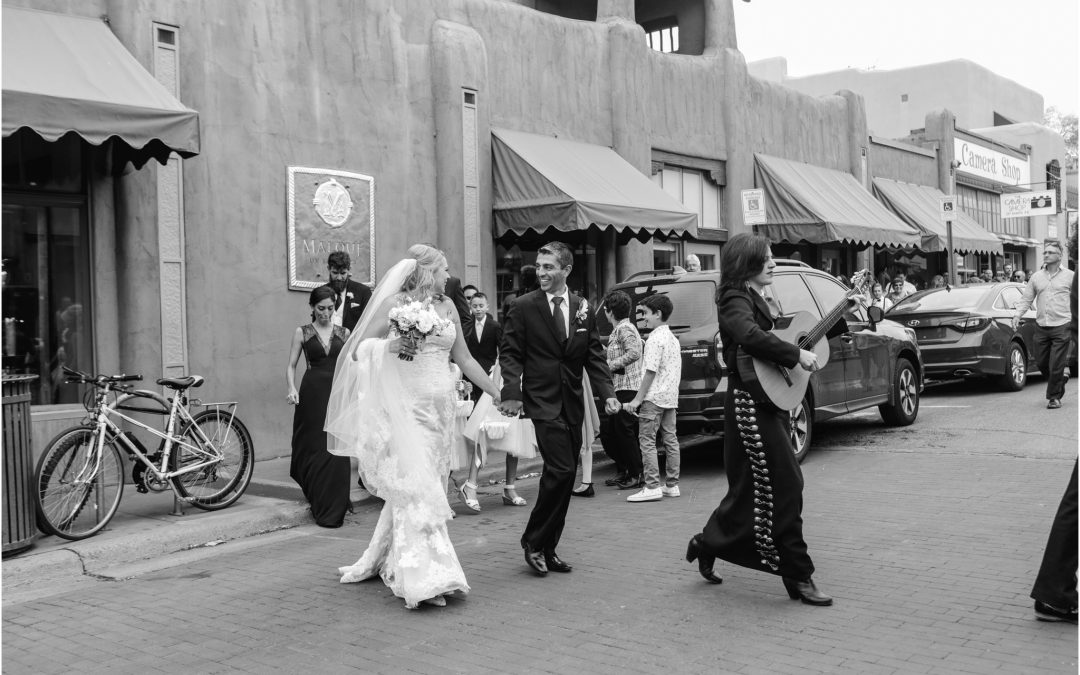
[(353, 296), (549, 339), (454, 291), (483, 341)]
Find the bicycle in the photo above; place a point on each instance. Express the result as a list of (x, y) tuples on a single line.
[(80, 478)]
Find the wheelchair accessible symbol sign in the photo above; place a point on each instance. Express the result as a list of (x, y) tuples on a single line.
[(753, 207)]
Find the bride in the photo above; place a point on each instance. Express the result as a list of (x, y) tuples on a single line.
[(395, 416)]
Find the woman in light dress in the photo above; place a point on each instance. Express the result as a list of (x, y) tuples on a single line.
[(397, 418)]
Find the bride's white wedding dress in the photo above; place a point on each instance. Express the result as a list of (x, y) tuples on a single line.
[(405, 417)]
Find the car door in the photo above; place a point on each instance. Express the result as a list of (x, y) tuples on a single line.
[(1010, 297), (863, 353), (793, 295)]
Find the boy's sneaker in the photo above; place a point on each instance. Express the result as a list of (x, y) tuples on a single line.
[(646, 495), (670, 491)]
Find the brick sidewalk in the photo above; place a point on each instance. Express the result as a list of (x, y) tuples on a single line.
[(930, 559)]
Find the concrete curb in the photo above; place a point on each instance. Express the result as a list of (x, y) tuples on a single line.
[(158, 537)]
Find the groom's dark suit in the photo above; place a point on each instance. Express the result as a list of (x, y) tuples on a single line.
[(550, 390)]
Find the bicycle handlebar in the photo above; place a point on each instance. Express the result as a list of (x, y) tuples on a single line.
[(76, 377)]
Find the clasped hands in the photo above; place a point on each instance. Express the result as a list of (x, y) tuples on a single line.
[(513, 408)]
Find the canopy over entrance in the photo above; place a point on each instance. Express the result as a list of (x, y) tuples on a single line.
[(543, 182), (919, 206), (65, 74), (810, 203)]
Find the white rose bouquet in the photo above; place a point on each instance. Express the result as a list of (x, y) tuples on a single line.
[(414, 321)]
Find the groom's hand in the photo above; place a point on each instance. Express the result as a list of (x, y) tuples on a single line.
[(510, 408), (612, 406)]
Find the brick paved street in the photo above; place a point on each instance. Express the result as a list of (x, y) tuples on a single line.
[(930, 556)]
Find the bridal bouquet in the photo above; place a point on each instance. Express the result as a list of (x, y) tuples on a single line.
[(414, 321)]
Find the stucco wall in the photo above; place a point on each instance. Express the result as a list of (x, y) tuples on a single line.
[(973, 93), (911, 165)]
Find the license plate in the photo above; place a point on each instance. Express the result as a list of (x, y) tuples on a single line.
[(936, 333)]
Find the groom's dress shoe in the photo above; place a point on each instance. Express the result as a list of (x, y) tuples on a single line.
[(535, 560), (695, 551), (555, 563)]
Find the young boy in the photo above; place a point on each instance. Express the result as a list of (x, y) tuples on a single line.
[(657, 400)]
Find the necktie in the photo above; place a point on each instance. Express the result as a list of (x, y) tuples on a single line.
[(556, 314)]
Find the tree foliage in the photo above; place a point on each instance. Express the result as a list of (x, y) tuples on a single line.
[(1066, 126)]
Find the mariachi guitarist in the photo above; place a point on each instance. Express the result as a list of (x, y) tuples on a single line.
[(759, 522)]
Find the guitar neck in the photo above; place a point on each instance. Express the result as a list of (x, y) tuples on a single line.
[(827, 322)]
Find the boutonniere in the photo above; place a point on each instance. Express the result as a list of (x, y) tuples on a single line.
[(582, 311), (349, 295)]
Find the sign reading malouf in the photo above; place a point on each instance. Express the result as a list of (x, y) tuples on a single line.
[(753, 207), (1024, 204), (977, 160), (329, 210)]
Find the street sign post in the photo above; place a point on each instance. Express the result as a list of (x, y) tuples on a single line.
[(753, 207), (948, 212)]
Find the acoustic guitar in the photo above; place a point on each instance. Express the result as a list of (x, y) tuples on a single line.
[(785, 387)]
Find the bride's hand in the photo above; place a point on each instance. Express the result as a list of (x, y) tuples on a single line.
[(402, 345)]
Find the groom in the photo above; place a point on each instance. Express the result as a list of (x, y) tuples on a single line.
[(549, 336)]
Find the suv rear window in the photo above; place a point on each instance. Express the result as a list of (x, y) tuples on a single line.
[(694, 304)]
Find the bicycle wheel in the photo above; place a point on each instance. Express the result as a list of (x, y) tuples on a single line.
[(75, 495), (221, 482)]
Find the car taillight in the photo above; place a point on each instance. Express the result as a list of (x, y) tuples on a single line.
[(719, 352), (969, 323)]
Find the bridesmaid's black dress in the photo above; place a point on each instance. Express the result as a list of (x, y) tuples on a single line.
[(323, 477)]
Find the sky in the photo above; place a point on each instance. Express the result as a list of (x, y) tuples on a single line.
[(1033, 42)]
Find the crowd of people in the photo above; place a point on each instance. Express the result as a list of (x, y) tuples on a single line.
[(383, 392)]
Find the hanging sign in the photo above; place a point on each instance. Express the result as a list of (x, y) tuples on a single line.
[(1024, 204)]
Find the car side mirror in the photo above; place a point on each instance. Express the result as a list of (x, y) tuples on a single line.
[(876, 314)]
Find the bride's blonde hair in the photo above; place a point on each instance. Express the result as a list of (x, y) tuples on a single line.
[(420, 285)]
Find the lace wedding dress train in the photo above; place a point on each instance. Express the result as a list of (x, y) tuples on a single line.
[(406, 414)]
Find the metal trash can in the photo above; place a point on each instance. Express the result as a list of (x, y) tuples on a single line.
[(19, 520)]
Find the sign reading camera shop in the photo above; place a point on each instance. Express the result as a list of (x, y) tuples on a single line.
[(977, 160), (329, 211)]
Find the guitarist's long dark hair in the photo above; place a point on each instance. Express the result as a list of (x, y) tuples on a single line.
[(742, 258)]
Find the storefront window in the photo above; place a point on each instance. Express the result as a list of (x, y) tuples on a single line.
[(46, 267)]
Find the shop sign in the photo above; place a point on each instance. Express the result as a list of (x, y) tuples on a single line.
[(329, 210), (976, 160), (753, 207), (1024, 204)]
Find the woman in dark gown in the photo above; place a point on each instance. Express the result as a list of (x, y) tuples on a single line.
[(323, 477), (759, 522)]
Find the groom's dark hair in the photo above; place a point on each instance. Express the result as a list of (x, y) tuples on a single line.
[(561, 252)]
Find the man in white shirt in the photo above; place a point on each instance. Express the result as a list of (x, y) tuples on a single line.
[(1051, 285)]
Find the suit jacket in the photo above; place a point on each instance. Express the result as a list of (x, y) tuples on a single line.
[(454, 292), (485, 347), (544, 374), (356, 298)]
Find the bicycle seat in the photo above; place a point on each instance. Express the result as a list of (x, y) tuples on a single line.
[(181, 383)]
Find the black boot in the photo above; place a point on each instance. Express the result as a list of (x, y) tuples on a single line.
[(694, 551), (807, 592)]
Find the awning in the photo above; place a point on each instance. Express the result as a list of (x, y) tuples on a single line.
[(543, 182), (919, 206), (65, 73), (1017, 239), (818, 205)]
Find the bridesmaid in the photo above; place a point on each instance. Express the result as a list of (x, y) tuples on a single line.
[(759, 522), (323, 477)]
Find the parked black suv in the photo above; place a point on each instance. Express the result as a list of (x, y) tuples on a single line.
[(875, 363)]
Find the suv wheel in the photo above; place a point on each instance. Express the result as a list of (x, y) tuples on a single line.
[(802, 428), (1015, 376), (905, 395)]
